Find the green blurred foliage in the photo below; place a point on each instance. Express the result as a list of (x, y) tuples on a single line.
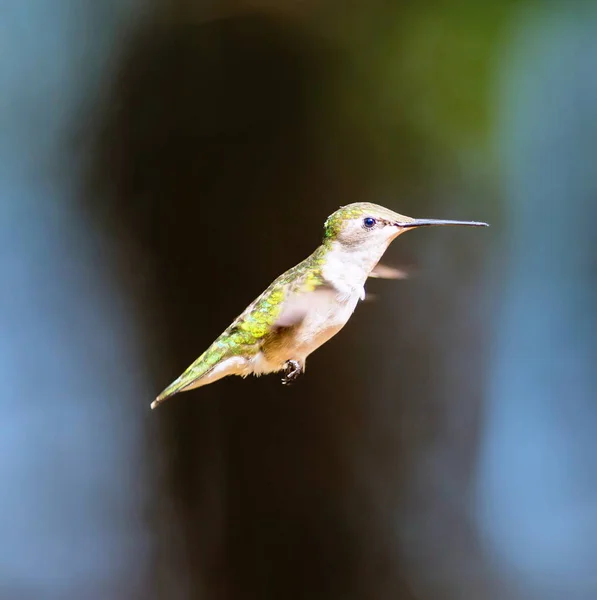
[(416, 79)]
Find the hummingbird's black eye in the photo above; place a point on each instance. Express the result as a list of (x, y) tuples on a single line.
[(369, 222)]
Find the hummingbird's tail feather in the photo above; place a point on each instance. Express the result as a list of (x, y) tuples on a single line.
[(192, 377), (212, 365), (178, 385)]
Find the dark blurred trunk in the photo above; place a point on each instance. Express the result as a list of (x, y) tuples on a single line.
[(213, 167)]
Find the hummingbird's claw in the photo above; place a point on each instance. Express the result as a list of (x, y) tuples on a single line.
[(292, 371)]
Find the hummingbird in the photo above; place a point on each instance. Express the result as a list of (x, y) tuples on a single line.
[(308, 304)]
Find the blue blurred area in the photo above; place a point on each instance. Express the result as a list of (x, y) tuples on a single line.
[(71, 451), (537, 470)]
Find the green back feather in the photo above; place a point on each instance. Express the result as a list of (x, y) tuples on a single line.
[(248, 331)]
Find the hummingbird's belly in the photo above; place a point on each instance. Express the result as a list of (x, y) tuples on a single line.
[(319, 327), (296, 343), (296, 346), (311, 343)]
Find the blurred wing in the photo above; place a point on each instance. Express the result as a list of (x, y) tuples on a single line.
[(384, 272), (301, 302)]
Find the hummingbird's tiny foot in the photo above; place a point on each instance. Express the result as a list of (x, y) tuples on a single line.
[(292, 370)]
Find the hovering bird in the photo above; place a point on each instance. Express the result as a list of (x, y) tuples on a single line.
[(307, 305)]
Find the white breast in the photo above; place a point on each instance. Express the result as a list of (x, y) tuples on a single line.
[(321, 324), (348, 278)]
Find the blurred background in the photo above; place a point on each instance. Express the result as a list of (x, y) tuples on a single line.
[(161, 161)]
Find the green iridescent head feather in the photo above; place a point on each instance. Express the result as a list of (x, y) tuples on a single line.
[(336, 221)]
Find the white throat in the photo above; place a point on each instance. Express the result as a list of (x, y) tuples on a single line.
[(348, 268)]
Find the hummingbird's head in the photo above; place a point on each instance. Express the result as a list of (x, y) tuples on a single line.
[(366, 226)]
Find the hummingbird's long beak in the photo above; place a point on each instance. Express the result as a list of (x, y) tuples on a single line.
[(437, 222)]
